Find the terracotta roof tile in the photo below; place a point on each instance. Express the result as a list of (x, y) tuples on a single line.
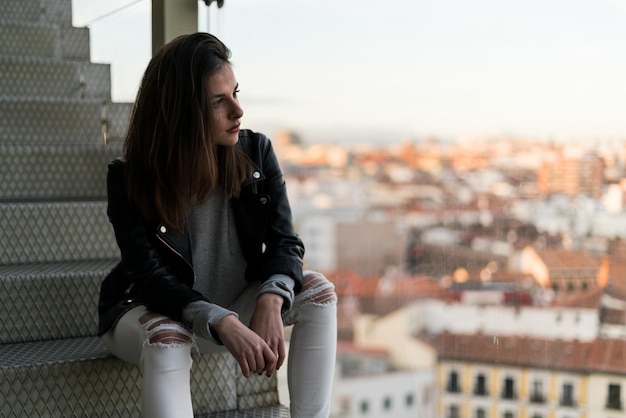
[(608, 356), (568, 260), (512, 351), (601, 355)]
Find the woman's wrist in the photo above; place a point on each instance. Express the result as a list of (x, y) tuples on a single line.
[(270, 300)]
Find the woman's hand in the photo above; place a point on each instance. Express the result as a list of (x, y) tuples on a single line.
[(252, 353), (267, 322)]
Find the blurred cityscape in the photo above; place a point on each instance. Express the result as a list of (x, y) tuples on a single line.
[(476, 279)]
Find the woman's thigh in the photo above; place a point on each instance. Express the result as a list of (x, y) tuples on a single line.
[(139, 327)]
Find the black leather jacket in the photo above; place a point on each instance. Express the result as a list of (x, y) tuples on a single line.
[(156, 269)]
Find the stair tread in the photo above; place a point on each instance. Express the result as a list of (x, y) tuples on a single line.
[(51, 352), (47, 269)]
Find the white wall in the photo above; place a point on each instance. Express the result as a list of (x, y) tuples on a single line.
[(597, 395), (553, 323)]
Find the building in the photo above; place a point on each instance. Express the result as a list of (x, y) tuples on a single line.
[(572, 173), (488, 376), (368, 385)]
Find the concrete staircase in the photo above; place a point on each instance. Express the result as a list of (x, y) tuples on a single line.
[(56, 244)]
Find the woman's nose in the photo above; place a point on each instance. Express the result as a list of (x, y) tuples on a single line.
[(236, 111)]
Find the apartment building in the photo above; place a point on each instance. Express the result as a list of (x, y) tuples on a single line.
[(481, 376), (571, 173)]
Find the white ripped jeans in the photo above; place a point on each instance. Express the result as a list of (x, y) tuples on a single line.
[(165, 367)]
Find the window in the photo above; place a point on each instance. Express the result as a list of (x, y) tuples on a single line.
[(365, 406), (614, 400), (508, 414), (409, 400), (480, 413), (480, 388), (387, 403), (453, 382), (454, 411), (567, 395), (536, 392), (508, 391)]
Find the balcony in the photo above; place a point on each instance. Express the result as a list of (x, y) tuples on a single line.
[(567, 401), (537, 398)]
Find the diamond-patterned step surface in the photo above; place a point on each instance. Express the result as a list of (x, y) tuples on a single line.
[(50, 301), (43, 39), (49, 173), (55, 232), (39, 77), (78, 378), (75, 122), (58, 11), (59, 121)]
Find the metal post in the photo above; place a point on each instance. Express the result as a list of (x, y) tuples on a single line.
[(171, 18)]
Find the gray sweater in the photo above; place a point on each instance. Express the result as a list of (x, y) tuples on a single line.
[(220, 266)]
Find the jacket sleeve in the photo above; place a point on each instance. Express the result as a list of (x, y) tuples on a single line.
[(283, 250), (151, 280)]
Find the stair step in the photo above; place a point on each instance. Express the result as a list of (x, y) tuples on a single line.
[(51, 121), (45, 121), (35, 173), (50, 301), (58, 11), (43, 77), (56, 232), (43, 39), (77, 377)]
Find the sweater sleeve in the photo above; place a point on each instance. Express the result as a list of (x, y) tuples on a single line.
[(201, 315), (282, 285)]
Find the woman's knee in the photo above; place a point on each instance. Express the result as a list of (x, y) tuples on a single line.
[(317, 289), (161, 330)]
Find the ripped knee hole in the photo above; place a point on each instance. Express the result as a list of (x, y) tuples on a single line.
[(163, 330), (319, 289)]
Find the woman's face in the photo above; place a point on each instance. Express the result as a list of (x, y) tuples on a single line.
[(223, 89)]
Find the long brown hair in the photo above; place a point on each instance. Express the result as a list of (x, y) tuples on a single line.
[(171, 155)]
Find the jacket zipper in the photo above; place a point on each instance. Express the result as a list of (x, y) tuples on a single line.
[(179, 255)]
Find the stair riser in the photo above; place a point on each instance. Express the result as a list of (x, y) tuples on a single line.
[(52, 232), (54, 173), (69, 122), (44, 40), (47, 78), (57, 11), (40, 305)]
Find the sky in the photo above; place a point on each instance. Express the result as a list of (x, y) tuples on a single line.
[(392, 70)]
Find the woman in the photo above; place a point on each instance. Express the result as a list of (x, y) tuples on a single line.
[(209, 254)]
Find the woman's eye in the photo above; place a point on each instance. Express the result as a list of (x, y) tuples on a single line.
[(236, 93), (217, 103)]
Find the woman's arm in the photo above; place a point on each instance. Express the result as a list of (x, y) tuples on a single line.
[(264, 217), (151, 279)]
